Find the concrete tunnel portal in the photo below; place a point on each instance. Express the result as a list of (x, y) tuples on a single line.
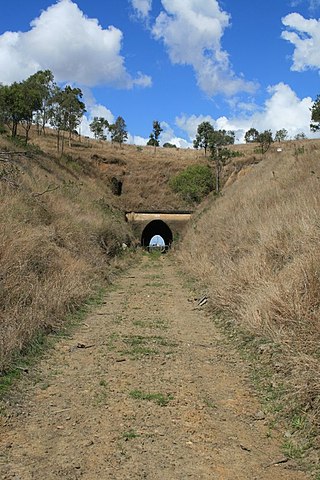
[(156, 227), (166, 224)]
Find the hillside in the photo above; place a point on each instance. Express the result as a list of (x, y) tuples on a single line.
[(256, 251), (143, 172)]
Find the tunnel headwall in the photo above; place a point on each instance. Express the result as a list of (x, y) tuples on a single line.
[(168, 225)]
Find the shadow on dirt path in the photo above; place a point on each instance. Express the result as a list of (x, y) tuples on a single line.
[(145, 389)]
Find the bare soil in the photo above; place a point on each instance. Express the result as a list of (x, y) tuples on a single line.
[(146, 388)]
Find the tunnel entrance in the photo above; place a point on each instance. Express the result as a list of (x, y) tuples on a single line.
[(156, 227)]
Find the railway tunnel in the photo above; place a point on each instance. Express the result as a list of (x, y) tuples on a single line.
[(168, 225)]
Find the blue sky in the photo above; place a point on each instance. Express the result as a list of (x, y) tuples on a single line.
[(177, 61)]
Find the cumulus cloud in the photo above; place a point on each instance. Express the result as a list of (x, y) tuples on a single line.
[(283, 109), (168, 136), (142, 7), (304, 34), (94, 110), (192, 31), (137, 140), (76, 48)]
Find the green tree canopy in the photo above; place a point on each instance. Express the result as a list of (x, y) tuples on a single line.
[(300, 136), (152, 142), (18, 102), (265, 139), (281, 135), (204, 131), (251, 135), (119, 132), (98, 127), (315, 115), (218, 142), (44, 82), (66, 110), (155, 134)]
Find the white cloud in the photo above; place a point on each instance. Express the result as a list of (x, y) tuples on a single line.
[(168, 136), (192, 31), (76, 48), (137, 140), (283, 109), (304, 34), (190, 124), (94, 110), (142, 7)]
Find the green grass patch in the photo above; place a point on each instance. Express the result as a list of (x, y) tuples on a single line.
[(130, 434), (158, 398)]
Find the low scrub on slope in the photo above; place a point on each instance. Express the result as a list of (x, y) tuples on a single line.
[(194, 183), (256, 249), (59, 231)]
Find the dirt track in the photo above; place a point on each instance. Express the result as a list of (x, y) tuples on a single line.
[(156, 394)]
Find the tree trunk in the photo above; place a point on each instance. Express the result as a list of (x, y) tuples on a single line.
[(14, 129), (218, 171), (62, 143), (28, 126)]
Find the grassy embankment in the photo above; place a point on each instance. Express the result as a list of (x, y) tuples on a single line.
[(256, 251), (61, 229)]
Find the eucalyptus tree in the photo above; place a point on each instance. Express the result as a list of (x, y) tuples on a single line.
[(219, 140), (118, 131), (251, 135), (265, 139), (155, 134), (73, 109), (98, 127), (204, 132), (66, 111), (315, 115), (18, 102), (281, 135), (44, 82)]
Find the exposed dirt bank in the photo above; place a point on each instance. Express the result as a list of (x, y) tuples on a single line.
[(145, 389)]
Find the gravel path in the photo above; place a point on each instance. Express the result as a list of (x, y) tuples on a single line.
[(145, 389)]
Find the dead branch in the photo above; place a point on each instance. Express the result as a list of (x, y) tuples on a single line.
[(50, 188)]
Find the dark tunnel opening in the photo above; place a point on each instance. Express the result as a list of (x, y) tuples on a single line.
[(156, 227)]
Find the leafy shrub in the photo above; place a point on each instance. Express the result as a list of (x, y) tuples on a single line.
[(169, 145), (194, 183)]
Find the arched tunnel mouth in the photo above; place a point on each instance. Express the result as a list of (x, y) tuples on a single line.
[(154, 228)]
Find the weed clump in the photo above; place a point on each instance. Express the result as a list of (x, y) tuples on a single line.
[(193, 183)]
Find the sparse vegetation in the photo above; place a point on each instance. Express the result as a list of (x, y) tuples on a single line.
[(130, 434), (158, 398), (155, 134)]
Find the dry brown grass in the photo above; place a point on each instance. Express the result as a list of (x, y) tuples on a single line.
[(59, 230), (143, 171), (256, 248)]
